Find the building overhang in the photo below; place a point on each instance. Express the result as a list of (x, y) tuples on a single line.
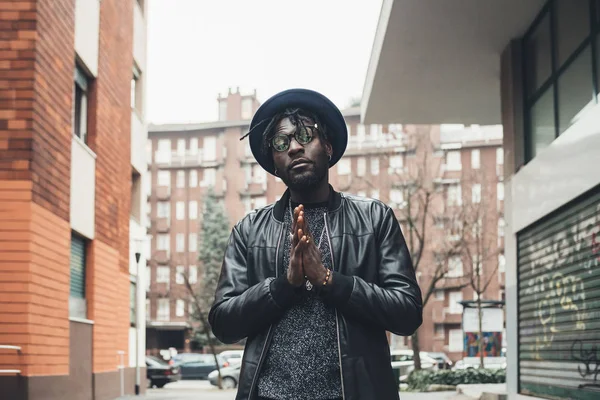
[(439, 61), (167, 326)]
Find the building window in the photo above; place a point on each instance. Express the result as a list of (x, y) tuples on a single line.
[(80, 105), (501, 263), (179, 308), (247, 108), (148, 309), (194, 146), (193, 178), (439, 295), (259, 175), (361, 166), (348, 128), (396, 164), (375, 194), (163, 209), (559, 78), (77, 295), (163, 274), (344, 167), (454, 195), (396, 198), (162, 242), (439, 330), (132, 303), (180, 210), (136, 90), (476, 193), (180, 242), (193, 210), (210, 177), (475, 159), (361, 132), (164, 178), (148, 278), (500, 190), (374, 166), (453, 162), (179, 278), (500, 227), (193, 245), (163, 151), (163, 311), (193, 274), (455, 340), (454, 307), (455, 267), (500, 156), (259, 202), (209, 151), (180, 179), (375, 131)]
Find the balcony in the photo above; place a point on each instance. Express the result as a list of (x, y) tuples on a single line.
[(162, 256), (447, 316), (163, 192), (188, 158), (383, 143), (83, 188), (163, 225)]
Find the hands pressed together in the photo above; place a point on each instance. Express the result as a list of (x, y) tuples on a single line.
[(305, 257)]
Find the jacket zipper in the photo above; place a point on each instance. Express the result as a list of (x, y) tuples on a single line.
[(337, 324), (268, 340)]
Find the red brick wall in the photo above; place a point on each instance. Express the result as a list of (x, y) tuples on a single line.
[(111, 129), (34, 282)]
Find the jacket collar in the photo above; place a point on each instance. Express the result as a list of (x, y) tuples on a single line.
[(335, 199)]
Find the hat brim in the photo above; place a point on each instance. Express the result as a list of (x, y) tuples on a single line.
[(305, 99)]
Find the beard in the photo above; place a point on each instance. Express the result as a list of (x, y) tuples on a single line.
[(309, 177)]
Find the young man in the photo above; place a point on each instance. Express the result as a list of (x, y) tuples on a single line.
[(315, 280)]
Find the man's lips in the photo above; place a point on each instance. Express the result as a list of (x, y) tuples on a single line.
[(299, 163)]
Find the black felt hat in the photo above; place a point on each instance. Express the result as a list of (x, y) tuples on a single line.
[(305, 99)]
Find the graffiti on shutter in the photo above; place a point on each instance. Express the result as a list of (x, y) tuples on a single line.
[(559, 303)]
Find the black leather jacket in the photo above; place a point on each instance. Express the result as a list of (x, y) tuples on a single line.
[(374, 290)]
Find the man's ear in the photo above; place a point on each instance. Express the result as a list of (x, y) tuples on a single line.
[(329, 149)]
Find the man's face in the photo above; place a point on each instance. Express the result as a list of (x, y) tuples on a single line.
[(301, 167)]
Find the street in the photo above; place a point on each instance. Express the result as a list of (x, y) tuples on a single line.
[(202, 390)]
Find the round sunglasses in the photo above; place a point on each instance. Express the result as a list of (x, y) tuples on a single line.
[(303, 135)]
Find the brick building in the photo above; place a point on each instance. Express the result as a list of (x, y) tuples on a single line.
[(189, 158), (72, 135)]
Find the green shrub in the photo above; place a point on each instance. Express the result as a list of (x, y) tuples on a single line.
[(420, 380)]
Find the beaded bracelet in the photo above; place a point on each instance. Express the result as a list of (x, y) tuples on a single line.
[(327, 277)]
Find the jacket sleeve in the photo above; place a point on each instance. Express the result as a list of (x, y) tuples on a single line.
[(395, 303), (240, 310)]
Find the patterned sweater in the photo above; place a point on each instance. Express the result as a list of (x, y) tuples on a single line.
[(303, 361)]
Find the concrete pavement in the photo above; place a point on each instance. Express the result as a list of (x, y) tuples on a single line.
[(202, 390)]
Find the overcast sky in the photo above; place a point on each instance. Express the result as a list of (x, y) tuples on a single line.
[(199, 48)]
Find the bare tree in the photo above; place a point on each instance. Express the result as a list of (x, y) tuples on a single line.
[(213, 238), (479, 246)]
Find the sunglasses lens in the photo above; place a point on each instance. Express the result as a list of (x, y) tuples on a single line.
[(303, 135), (281, 142)]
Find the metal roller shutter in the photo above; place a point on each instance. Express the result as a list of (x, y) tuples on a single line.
[(559, 302), (77, 267)]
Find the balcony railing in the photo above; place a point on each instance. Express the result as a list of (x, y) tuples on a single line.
[(382, 142), (18, 350), (186, 159)]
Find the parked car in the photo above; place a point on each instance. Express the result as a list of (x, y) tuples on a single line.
[(232, 357), (403, 361), (198, 366), (230, 376), (159, 372), (444, 362)]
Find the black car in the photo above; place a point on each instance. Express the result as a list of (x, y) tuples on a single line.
[(159, 372), (198, 366)]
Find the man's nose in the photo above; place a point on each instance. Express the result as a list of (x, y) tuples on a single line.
[(295, 147)]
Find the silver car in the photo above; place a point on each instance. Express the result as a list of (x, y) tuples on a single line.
[(230, 376)]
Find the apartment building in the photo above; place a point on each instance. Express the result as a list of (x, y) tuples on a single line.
[(71, 206), (187, 159), (534, 67)]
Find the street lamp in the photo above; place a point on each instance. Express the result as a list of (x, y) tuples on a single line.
[(138, 256)]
